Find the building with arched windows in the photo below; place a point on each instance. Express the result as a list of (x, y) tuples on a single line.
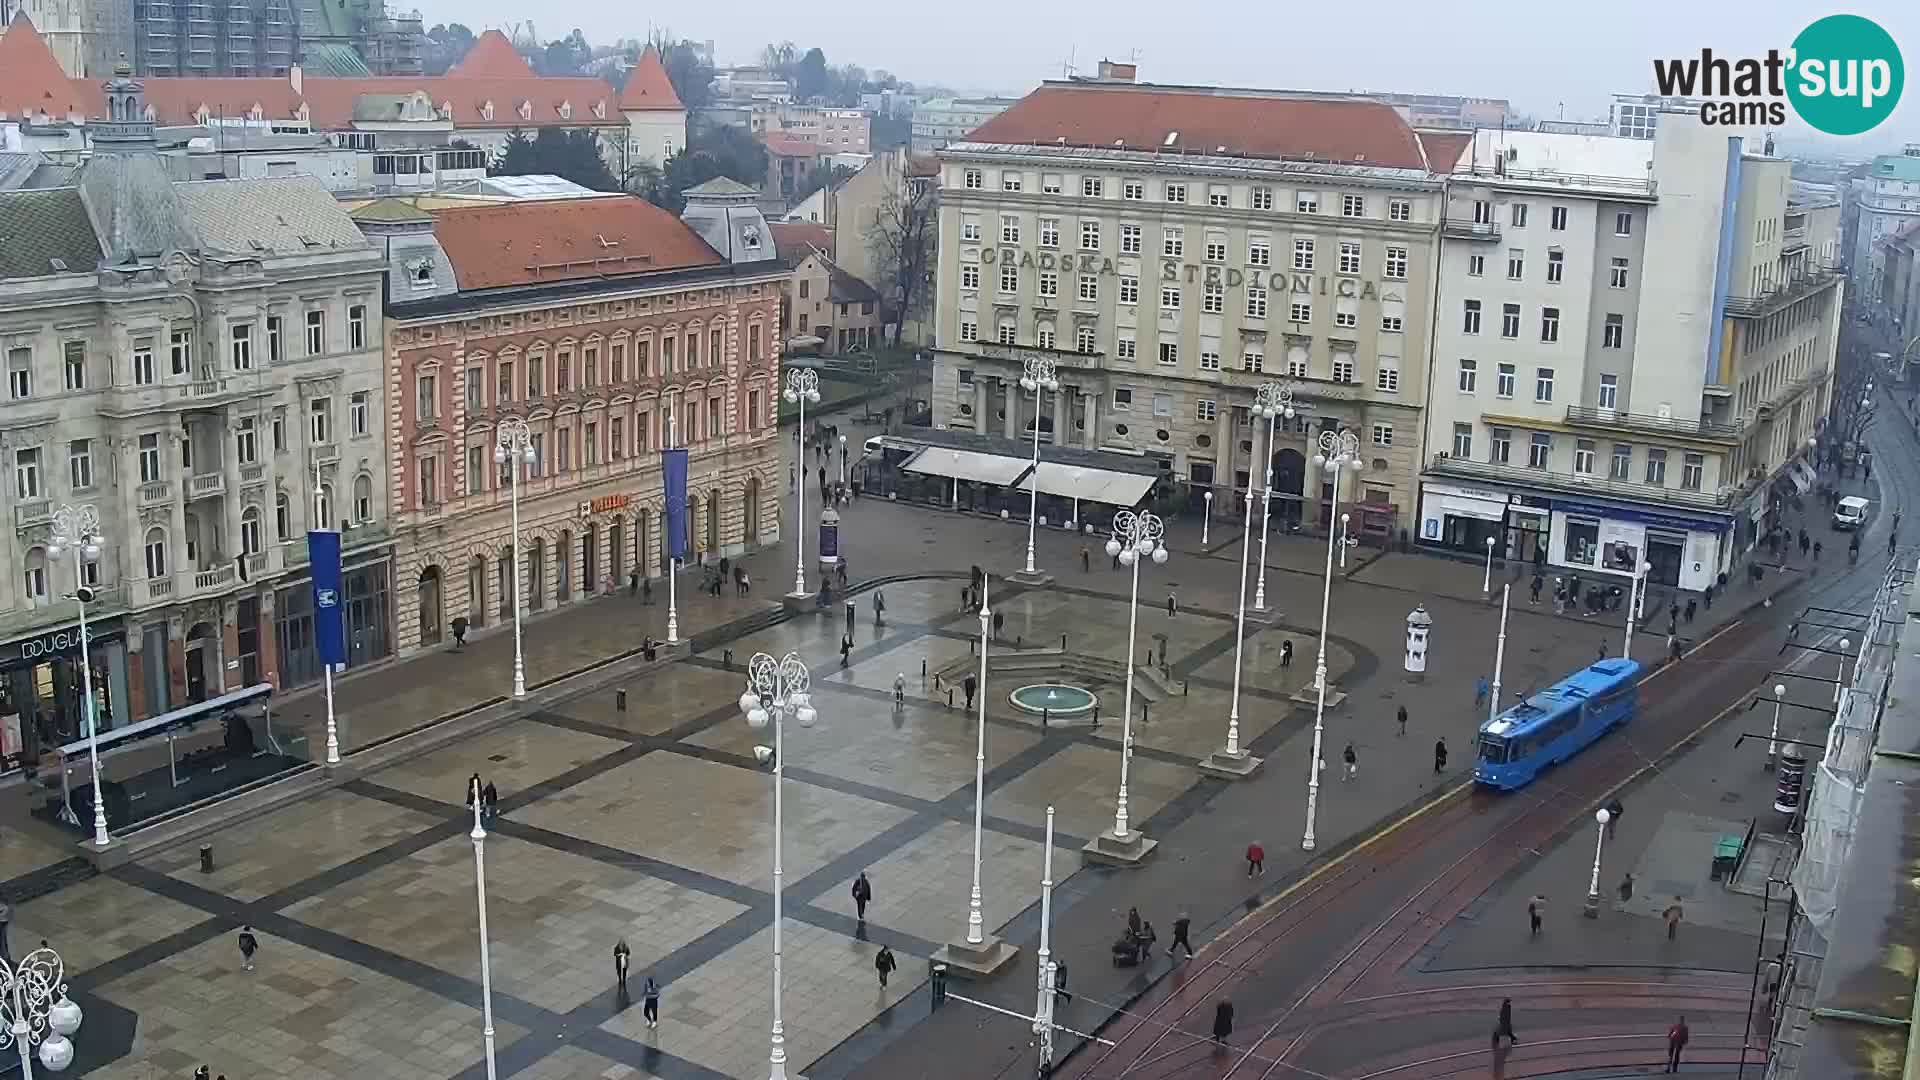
[(613, 330)]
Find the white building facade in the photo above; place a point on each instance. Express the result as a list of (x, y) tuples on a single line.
[(1632, 342), (1888, 201), (1169, 273)]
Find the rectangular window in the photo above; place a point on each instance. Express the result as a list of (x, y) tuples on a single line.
[(1090, 236), (1299, 311), (1009, 181), (240, 346), (1345, 318), (316, 333), (1175, 243), (1256, 302), (1500, 445), (1133, 190), (279, 431), (1476, 265), (1550, 324), (1297, 369), (969, 331), (1125, 348), (1049, 232), (1469, 375), (1176, 193), (1622, 465), (1543, 384), (1008, 335), (1509, 320), (1582, 451), (1307, 202), (1343, 367), (1129, 239), (1209, 361), (969, 279), (358, 408), (1612, 332), (969, 231), (74, 359), (1657, 467), (1463, 441), (1169, 353), (1693, 471), (1049, 286), (1503, 380), (275, 325), (1519, 215), (1009, 278), (26, 472), (1482, 212), (1557, 219), (1353, 206), (1516, 264), (1261, 198), (80, 464), (537, 375), (149, 459), (1539, 450), (143, 373), (1623, 223), (1617, 274), (1122, 398), (1009, 229), (1089, 288), (357, 327), (1303, 253), (180, 349), (246, 444), (1219, 196), (1609, 391), (1252, 360), (1391, 324), (1349, 258), (1129, 290), (1394, 268), (1399, 210), (1470, 317), (1216, 249), (1213, 298), (1205, 411), (1043, 336), (1386, 377), (1556, 266), (1084, 339), (563, 368), (320, 421), (503, 384), (1259, 253), (972, 180), (1092, 187), (1383, 434), (19, 374)]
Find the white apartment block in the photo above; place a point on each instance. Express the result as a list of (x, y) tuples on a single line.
[(1171, 266), (1632, 344), (1888, 201)]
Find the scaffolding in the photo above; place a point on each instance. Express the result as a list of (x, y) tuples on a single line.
[(237, 55), (156, 43), (202, 38)]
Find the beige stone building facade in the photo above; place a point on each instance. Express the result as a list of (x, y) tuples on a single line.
[(1172, 249)]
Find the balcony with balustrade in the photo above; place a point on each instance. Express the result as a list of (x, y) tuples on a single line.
[(1587, 416), (1798, 287)]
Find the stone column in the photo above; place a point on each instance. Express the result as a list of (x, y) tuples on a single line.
[(177, 560), (1010, 427), (1092, 439), (1224, 449), (130, 547), (1062, 415), (230, 472), (979, 405)]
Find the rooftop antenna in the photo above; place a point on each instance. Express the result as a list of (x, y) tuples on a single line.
[(1067, 69)]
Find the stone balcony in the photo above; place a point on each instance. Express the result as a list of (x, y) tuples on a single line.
[(32, 512), (206, 485), (156, 493)]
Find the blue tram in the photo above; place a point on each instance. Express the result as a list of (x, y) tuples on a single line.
[(1556, 723)]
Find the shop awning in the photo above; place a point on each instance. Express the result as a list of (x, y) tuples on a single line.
[(1802, 476), (967, 465), (1089, 484)]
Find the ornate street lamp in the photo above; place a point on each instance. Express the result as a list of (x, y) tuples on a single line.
[(513, 447), (77, 528), (1038, 375), (803, 385), (37, 1011), (777, 691), (1338, 449)]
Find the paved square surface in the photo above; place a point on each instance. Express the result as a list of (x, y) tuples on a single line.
[(255, 859)]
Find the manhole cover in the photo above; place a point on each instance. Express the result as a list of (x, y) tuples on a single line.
[(496, 758), (1731, 797)]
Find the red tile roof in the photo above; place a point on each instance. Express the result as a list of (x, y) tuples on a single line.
[(780, 145), (1200, 120), (331, 100), (522, 243), (492, 57), (31, 81), (648, 88), (1445, 147), (795, 240)]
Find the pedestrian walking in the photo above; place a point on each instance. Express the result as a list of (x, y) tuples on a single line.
[(1147, 939), (1706, 597), (1060, 982), (1286, 653), (1133, 921), (1675, 647), (1086, 559), (999, 621), (846, 650), (1222, 1021), (1256, 859), (969, 685), (1673, 915), (489, 801), (1439, 757), (1172, 608), (862, 896), (1402, 717), (1614, 810), (1676, 1042), (633, 583), (1539, 581), (899, 690), (1536, 909), (1626, 888), (248, 946), (1692, 607), (1504, 1025), (1353, 762), (1181, 926), (1480, 689), (650, 1002), (884, 964), (879, 607), (622, 957)]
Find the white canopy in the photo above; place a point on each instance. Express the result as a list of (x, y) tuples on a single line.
[(967, 465), (1090, 484)]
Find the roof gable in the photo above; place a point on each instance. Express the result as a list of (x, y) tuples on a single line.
[(648, 88), (1204, 120), (525, 243), (492, 57)]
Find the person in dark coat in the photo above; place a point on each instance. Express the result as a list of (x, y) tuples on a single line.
[(1504, 1026), (248, 946), (884, 964), (1286, 653), (650, 1002), (1181, 926), (1439, 756), (846, 650), (622, 958), (1676, 1042), (489, 800), (1402, 717), (1222, 1021), (969, 685), (862, 896)]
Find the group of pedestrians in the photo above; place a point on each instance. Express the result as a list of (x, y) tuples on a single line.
[(1677, 1035), (485, 795)]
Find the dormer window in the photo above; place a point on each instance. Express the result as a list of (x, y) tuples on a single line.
[(257, 113), (600, 110), (444, 111), (486, 110), (566, 110), (525, 110), (201, 115)]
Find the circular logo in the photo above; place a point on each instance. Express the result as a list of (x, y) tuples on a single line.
[(1846, 76)]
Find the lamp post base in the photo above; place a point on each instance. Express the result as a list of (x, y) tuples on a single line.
[(1592, 907), (1237, 766), (1265, 616), (799, 601), (1307, 697), (1110, 850), (975, 961), (1038, 579)]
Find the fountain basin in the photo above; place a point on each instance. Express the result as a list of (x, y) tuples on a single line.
[(1054, 699)]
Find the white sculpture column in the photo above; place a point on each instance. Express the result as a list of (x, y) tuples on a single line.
[(980, 405), (1092, 441), (1010, 393), (230, 473)]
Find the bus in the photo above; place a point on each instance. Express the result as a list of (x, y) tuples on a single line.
[(1556, 723)]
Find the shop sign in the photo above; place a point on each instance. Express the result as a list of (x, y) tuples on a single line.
[(607, 502), (1484, 494), (1620, 514), (51, 643), (1173, 271)]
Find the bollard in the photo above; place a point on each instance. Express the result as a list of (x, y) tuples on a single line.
[(949, 697), (206, 858), (1149, 657), (1063, 643), (1146, 710), (620, 700), (1046, 718), (1185, 686), (726, 659), (923, 669), (973, 646), (937, 983), (1019, 641)]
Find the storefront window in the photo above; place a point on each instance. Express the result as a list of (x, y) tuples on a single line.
[(42, 693), (1583, 541), (369, 636)]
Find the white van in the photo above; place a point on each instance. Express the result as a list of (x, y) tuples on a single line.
[(1851, 513)]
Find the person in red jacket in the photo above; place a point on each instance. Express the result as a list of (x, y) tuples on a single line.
[(1256, 859), (1676, 1042)]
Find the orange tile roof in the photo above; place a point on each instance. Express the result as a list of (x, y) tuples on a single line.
[(794, 240), (648, 88), (31, 81), (1199, 120), (523, 243), (331, 100), (780, 145), (175, 101), (492, 57), (1444, 148)]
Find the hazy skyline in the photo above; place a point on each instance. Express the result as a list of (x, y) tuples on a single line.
[(1541, 58)]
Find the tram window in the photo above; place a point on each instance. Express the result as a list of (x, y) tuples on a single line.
[(1493, 751)]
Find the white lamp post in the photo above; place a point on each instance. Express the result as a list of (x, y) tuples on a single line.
[(513, 447), (1636, 600), (1499, 652), (803, 385), (1273, 401), (976, 930), (35, 1006), (1773, 734), (776, 691), (843, 461), (1043, 1008), (1206, 517), (1037, 376), (78, 528), (479, 838), (1486, 580), (1136, 536), (1600, 819), (1337, 449), (673, 564)]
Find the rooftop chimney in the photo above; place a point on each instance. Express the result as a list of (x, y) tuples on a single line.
[(1112, 72)]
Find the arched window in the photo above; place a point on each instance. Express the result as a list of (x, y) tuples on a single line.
[(362, 499), (36, 575), (323, 510), (282, 517), (156, 553), (250, 531)]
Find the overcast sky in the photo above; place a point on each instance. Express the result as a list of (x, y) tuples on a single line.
[(1539, 56)]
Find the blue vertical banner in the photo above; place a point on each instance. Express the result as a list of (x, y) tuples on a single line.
[(329, 618), (673, 469)]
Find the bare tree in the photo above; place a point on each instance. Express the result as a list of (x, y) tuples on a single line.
[(1852, 408), (901, 240)]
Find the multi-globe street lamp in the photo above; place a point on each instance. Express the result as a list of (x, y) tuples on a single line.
[(37, 1011), (1338, 449), (513, 447), (1274, 402), (803, 385), (1037, 376), (1136, 536), (777, 691), (479, 838), (77, 529)]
